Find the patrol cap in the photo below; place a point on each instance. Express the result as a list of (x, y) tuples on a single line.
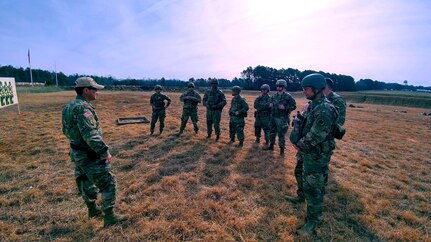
[(87, 82)]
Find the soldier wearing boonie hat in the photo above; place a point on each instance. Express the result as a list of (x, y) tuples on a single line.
[(89, 153)]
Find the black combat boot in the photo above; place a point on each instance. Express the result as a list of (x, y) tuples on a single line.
[(269, 147), (151, 132), (241, 144), (93, 211), (308, 229), (209, 136), (111, 218), (196, 131), (257, 140), (282, 151), (295, 200), (217, 137), (231, 141)]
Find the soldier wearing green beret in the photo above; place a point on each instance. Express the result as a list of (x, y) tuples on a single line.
[(89, 153), (191, 99), (237, 113), (262, 114), (214, 100), (282, 104), (159, 106), (315, 144)]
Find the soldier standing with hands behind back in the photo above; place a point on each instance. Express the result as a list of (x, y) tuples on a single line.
[(282, 104), (158, 105), (89, 153)]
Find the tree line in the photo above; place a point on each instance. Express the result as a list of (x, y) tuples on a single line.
[(252, 78)]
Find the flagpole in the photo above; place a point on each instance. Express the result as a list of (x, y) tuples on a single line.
[(29, 62)]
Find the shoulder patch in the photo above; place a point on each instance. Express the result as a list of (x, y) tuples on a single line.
[(88, 114)]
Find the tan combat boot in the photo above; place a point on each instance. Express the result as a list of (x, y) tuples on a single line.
[(308, 229)]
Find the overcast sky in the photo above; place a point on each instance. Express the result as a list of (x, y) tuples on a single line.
[(385, 40)]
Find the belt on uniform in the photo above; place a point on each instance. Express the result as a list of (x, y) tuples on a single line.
[(75, 147)]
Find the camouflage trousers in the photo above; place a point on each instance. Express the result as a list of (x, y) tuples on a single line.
[(236, 127), (193, 114), (158, 115), (279, 125), (94, 176), (262, 123), (213, 117), (311, 173)]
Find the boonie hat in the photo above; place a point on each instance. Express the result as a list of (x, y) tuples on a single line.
[(87, 82)]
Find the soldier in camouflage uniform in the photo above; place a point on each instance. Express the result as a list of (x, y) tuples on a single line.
[(336, 100), (314, 141), (282, 104), (191, 99), (262, 114), (214, 100), (89, 153), (237, 112), (158, 105), (2, 103)]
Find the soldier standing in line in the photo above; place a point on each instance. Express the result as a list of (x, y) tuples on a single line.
[(89, 153), (314, 141), (191, 99), (214, 100), (282, 104), (2, 103), (158, 105), (262, 114), (237, 112), (336, 100)]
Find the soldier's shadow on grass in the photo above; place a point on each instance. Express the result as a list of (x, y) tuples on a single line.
[(344, 206), (264, 172), (215, 167)]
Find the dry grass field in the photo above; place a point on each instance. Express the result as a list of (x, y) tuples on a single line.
[(191, 189)]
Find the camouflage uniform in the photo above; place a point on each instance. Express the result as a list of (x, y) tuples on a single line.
[(280, 119), (190, 109), (262, 116), (315, 149), (236, 122), (2, 103), (88, 152), (157, 102), (340, 104), (214, 100)]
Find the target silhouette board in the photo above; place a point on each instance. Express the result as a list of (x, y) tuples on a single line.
[(8, 95)]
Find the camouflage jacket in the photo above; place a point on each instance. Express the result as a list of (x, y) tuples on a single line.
[(157, 101), (261, 104), (318, 127), (81, 126), (239, 105), (287, 100), (340, 104), (214, 99), (192, 102)]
